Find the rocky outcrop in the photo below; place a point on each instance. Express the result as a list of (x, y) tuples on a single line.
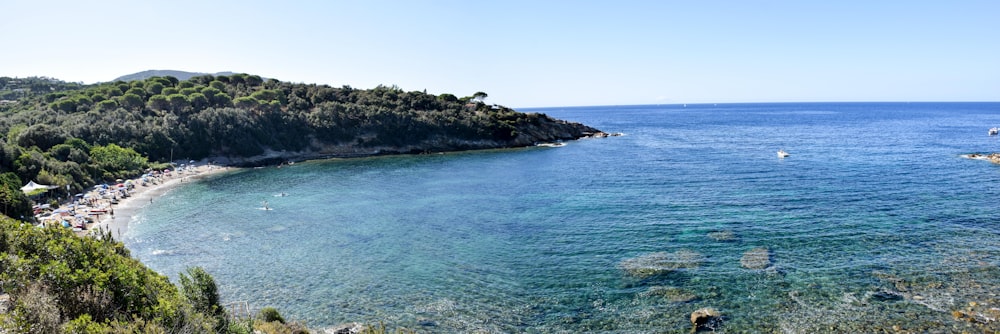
[(544, 130), (348, 328), (992, 157), (705, 319)]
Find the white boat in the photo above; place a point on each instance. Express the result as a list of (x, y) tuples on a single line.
[(557, 144), (994, 131), (782, 153)]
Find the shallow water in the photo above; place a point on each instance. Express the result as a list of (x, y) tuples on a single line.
[(873, 221)]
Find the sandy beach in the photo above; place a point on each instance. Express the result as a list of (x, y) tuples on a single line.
[(119, 215)]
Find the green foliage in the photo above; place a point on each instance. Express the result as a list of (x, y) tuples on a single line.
[(269, 314), (14, 201), (200, 290), (158, 102), (59, 282), (132, 101), (154, 87), (107, 105), (120, 162), (42, 136), (242, 115)]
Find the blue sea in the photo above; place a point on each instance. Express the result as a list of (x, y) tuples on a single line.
[(874, 222)]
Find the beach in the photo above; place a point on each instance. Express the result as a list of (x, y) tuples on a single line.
[(140, 195)]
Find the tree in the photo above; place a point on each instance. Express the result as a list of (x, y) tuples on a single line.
[(64, 105), (199, 288), (222, 100), (107, 105), (479, 96), (14, 202), (448, 97), (158, 102), (198, 101), (42, 136), (117, 161), (246, 102), (155, 87), (132, 101), (137, 91), (178, 102)]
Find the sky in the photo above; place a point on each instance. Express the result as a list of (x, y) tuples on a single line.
[(533, 53)]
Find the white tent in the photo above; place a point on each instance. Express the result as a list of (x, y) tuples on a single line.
[(32, 186)]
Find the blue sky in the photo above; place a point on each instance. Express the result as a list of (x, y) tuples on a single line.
[(533, 53)]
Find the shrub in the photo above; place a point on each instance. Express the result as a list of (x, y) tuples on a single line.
[(269, 314)]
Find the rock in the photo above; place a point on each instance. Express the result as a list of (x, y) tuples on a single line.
[(886, 296), (756, 259), (726, 235), (660, 263), (348, 328), (4, 303), (992, 157), (705, 318), (673, 294)]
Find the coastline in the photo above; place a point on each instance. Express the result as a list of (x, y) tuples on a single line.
[(141, 196)]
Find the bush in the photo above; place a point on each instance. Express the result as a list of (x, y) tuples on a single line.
[(269, 314), (275, 327)]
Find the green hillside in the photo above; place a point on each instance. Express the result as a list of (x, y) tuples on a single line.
[(73, 135)]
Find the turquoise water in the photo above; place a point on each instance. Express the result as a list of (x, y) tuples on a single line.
[(873, 221)]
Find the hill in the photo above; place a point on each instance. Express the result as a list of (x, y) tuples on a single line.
[(180, 75), (87, 134)]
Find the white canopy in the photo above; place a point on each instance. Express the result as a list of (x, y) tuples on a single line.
[(32, 186)]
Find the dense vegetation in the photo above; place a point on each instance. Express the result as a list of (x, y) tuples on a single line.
[(73, 135), (57, 282)]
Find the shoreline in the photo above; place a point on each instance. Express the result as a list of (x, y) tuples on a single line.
[(140, 196)]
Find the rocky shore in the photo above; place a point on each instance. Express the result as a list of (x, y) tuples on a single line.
[(991, 157), (548, 131)]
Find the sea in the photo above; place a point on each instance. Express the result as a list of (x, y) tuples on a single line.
[(874, 222)]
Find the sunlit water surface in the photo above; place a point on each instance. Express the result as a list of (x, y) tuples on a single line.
[(873, 221)]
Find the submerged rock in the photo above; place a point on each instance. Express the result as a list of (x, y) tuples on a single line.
[(705, 319), (673, 294), (726, 235), (661, 263), (756, 259)]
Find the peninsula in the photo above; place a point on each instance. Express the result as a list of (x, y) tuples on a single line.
[(71, 136)]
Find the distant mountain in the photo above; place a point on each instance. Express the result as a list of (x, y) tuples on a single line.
[(180, 75)]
